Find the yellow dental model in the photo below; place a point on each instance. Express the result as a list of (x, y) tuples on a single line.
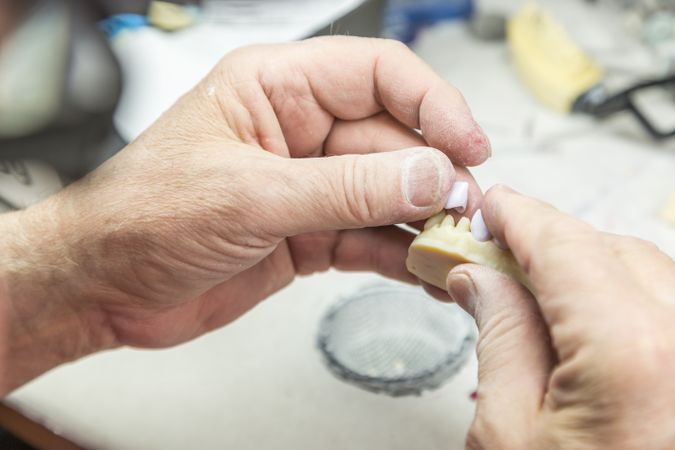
[(443, 245), (555, 69)]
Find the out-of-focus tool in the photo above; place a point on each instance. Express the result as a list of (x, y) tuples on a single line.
[(59, 86), (403, 19), (488, 26), (600, 103), (563, 77)]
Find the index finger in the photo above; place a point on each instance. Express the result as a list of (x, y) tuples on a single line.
[(353, 78), (571, 269)]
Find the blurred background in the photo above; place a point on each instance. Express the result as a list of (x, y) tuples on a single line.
[(577, 97)]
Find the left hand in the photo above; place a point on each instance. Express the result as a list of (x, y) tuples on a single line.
[(227, 197), (586, 362)]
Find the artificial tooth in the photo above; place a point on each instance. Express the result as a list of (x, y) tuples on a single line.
[(448, 221), (458, 197), (434, 220), (479, 230), (464, 224)]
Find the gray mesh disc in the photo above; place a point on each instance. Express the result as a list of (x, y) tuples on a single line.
[(394, 338)]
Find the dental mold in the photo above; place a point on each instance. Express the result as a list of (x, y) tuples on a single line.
[(443, 244)]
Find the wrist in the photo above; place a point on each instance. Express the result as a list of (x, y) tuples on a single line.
[(44, 320)]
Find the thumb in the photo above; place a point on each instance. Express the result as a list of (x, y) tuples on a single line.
[(514, 353), (355, 191)]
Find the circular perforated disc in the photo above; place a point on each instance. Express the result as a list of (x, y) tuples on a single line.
[(395, 339)]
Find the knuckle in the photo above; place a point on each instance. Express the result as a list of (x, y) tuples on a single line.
[(247, 59), (473, 440), (497, 189), (356, 201), (630, 243), (651, 353), (395, 45), (244, 52)]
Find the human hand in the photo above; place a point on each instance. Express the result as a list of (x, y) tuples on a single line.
[(227, 197), (588, 362)]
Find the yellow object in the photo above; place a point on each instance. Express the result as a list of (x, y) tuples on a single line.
[(169, 16), (668, 212), (442, 245), (547, 60)]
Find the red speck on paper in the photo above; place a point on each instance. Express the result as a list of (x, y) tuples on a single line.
[(473, 396)]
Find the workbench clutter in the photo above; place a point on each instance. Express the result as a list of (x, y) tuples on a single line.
[(329, 241), (165, 16), (404, 19), (561, 75)]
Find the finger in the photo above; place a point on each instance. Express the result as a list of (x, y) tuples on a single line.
[(383, 133), (386, 74), (514, 353), (380, 250), (378, 133), (354, 191), (474, 198), (438, 294), (574, 274), (353, 78), (537, 233)]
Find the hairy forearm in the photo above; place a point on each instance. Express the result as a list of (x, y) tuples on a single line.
[(43, 319)]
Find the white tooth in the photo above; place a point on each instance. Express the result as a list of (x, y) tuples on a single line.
[(479, 230), (448, 221), (459, 196), (434, 220), (463, 224)]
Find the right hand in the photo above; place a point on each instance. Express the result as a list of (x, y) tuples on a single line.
[(588, 361)]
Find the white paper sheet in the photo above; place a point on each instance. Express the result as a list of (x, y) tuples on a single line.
[(158, 66)]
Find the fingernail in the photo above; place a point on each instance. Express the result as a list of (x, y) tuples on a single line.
[(479, 230), (425, 176), (459, 196), (462, 291)]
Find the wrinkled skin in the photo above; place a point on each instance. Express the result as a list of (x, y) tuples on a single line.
[(230, 195), (588, 362)]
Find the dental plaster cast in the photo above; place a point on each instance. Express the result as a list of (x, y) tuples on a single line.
[(442, 245)]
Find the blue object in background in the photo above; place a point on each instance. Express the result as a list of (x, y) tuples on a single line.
[(403, 19), (113, 25)]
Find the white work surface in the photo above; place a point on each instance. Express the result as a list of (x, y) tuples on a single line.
[(260, 384), (257, 384)]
